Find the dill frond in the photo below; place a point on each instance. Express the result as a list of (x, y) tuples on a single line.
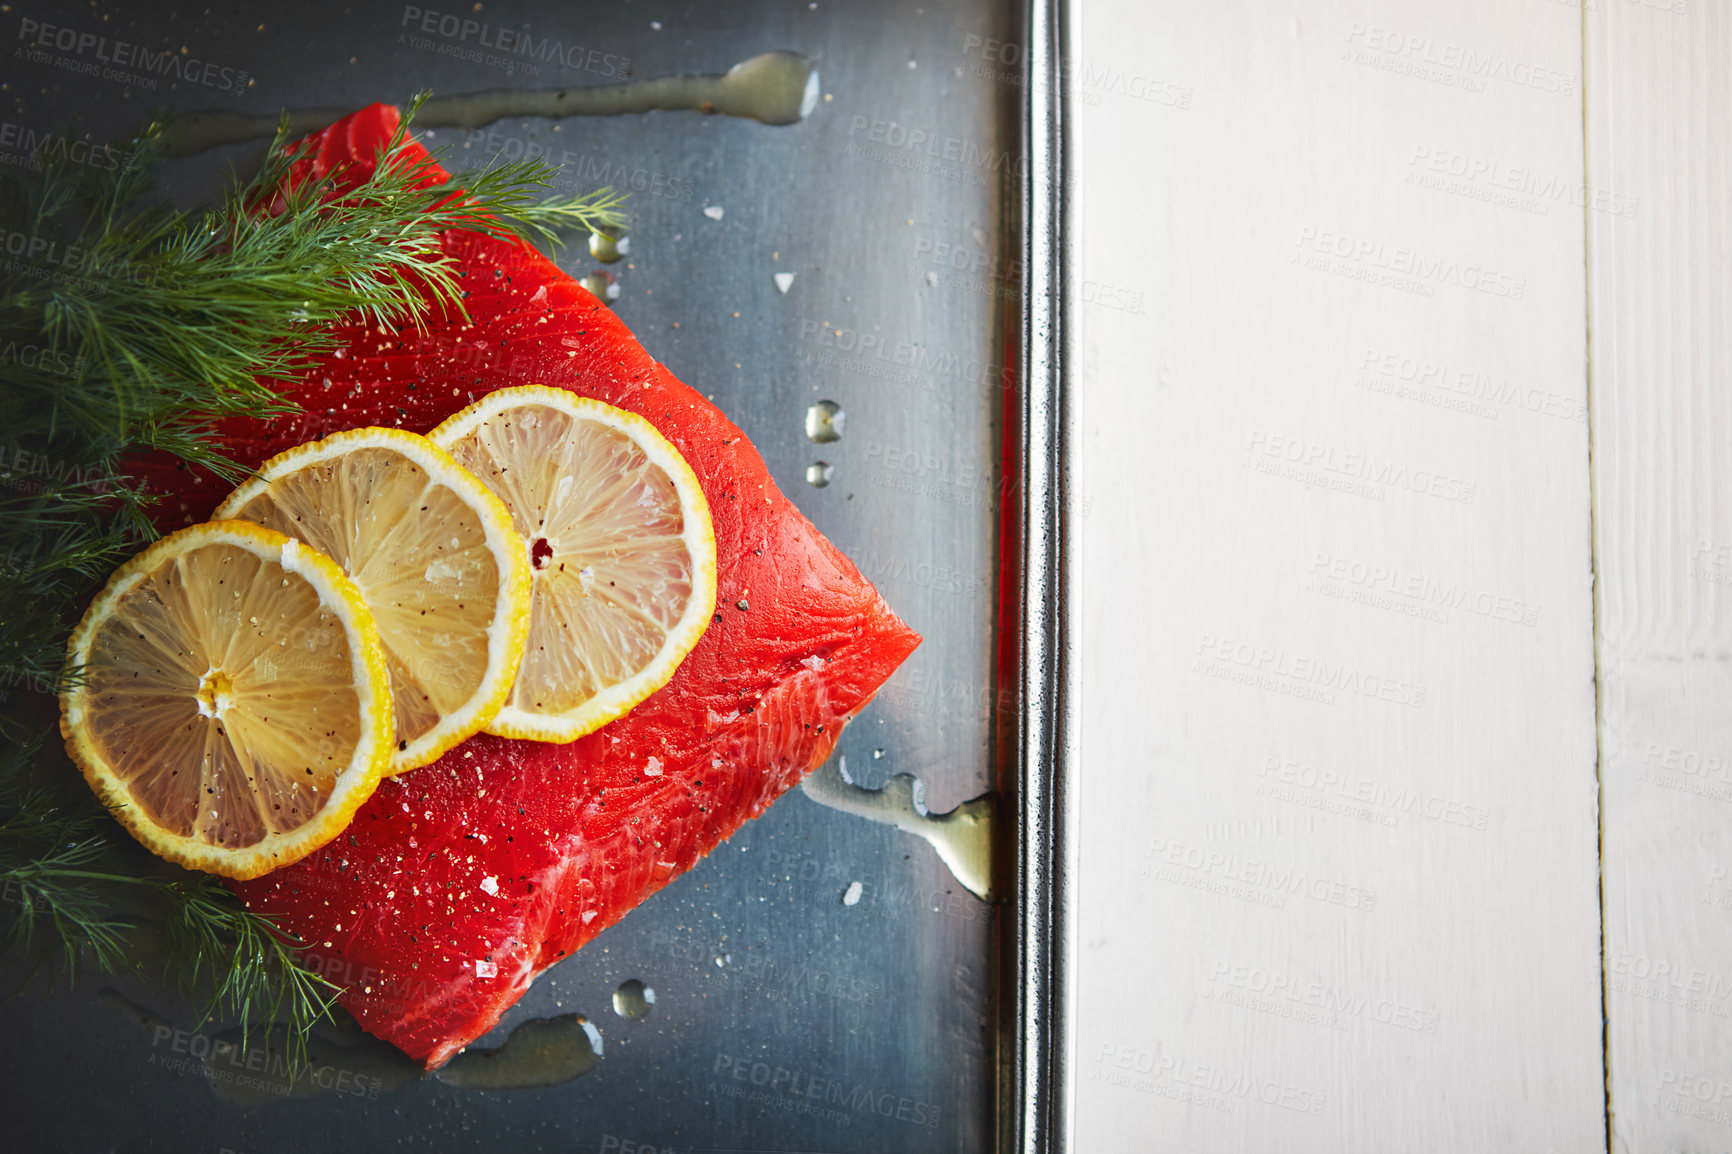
[(129, 325), (244, 965)]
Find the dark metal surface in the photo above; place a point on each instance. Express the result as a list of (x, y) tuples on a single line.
[(784, 1018)]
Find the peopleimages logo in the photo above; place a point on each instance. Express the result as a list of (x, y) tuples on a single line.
[(812, 1090), (106, 58), (1278, 772), (1421, 589), (1491, 176), (1364, 255), (1220, 655), (253, 1067), (582, 169), (1426, 56), (908, 358), (1311, 460), (25, 147), (931, 144), (1229, 1085), (47, 258), (1392, 372), (514, 42), (1302, 990), (1277, 882), (48, 360)]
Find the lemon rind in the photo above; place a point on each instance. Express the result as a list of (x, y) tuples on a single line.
[(371, 680), (508, 632), (698, 534)]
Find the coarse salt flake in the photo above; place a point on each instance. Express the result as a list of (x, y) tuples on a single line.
[(490, 885), (486, 969)]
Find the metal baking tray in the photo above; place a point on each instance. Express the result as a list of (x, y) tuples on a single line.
[(918, 207)]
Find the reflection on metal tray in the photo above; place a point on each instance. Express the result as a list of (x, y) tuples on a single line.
[(849, 289)]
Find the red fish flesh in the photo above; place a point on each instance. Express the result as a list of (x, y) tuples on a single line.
[(460, 882)]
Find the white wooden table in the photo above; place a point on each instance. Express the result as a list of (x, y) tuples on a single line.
[(1405, 428)]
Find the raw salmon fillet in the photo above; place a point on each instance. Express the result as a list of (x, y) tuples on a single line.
[(459, 882)]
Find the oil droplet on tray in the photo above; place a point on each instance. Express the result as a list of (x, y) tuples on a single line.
[(963, 837), (774, 87), (601, 283), (542, 1052), (633, 999), (824, 422), (818, 473), (608, 249), (254, 1068)]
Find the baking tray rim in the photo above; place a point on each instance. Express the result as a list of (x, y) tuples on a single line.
[(1037, 1113)]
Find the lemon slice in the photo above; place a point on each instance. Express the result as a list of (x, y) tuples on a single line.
[(234, 710), (621, 543), (435, 556)]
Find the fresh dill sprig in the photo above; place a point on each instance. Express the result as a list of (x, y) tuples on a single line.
[(252, 969), (56, 865), (129, 326), (92, 898)]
